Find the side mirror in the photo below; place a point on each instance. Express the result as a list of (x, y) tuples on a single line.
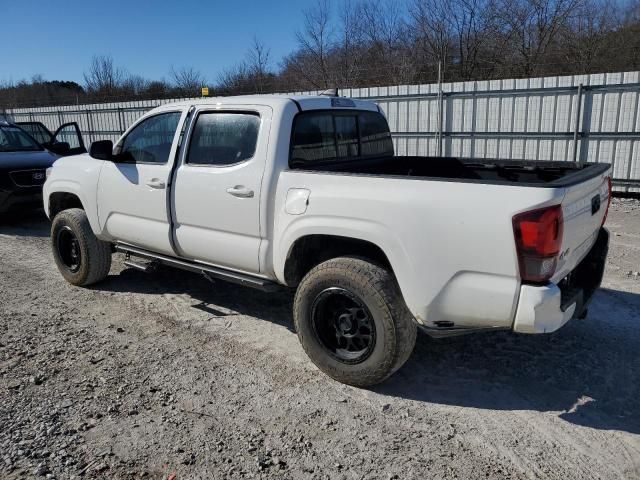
[(102, 150)]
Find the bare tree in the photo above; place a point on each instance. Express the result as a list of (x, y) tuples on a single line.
[(629, 36), (434, 30), (257, 65), (389, 51), (157, 89), (103, 76), (315, 42), (584, 37), (37, 79), (234, 80), (533, 26), (349, 61), (134, 85), (186, 79), (473, 23), (252, 75)]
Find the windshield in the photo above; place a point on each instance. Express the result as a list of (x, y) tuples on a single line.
[(13, 139)]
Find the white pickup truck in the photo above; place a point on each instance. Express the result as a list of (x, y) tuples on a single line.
[(305, 192)]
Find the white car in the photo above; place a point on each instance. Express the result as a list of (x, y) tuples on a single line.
[(305, 192)]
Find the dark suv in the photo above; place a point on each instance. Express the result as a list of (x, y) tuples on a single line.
[(24, 160)]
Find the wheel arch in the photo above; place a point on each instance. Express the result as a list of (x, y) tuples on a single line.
[(310, 250), (59, 201), (65, 197), (343, 236)]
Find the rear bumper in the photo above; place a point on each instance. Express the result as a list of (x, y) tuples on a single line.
[(544, 309)]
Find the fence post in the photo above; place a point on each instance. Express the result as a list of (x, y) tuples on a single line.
[(120, 120), (586, 124), (439, 142), (576, 127), (90, 124)]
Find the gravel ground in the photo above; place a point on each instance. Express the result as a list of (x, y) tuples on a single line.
[(147, 376)]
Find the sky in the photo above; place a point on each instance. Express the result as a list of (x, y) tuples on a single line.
[(57, 38)]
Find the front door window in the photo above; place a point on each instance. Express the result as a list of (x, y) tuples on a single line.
[(150, 141)]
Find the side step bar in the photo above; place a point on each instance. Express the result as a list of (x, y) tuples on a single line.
[(208, 271), (143, 267)]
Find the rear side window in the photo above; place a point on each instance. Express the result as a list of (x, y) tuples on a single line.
[(330, 136), (221, 138), (375, 138)]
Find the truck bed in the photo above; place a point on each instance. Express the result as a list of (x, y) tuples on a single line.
[(504, 172)]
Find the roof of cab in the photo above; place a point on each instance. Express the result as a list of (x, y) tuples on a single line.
[(302, 102)]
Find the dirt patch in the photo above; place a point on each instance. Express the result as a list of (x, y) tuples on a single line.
[(150, 375)]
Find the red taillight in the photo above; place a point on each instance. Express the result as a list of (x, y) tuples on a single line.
[(606, 212), (538, 240)]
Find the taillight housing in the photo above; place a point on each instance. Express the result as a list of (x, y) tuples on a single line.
[(538, 234), (606, 212)]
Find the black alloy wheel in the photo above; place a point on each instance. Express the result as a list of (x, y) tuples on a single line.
[(344, 325), (68, 248)]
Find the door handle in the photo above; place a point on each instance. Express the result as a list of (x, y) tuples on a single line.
[(240, 191), (156, 183)]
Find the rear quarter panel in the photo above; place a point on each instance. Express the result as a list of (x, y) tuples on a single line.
[(450, 244)]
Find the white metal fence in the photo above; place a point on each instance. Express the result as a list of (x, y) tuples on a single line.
[(584, 118)]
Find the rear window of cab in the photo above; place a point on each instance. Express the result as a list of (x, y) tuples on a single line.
[(328, 136)]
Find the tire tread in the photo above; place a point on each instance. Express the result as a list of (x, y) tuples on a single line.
[(98, 254)]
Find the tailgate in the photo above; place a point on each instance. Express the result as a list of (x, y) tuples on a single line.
[(584, 207)]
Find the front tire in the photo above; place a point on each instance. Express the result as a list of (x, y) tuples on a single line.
[(81, 257), (352, 321)]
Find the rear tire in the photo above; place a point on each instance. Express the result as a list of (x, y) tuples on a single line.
[(352, 321), (81, 257)]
